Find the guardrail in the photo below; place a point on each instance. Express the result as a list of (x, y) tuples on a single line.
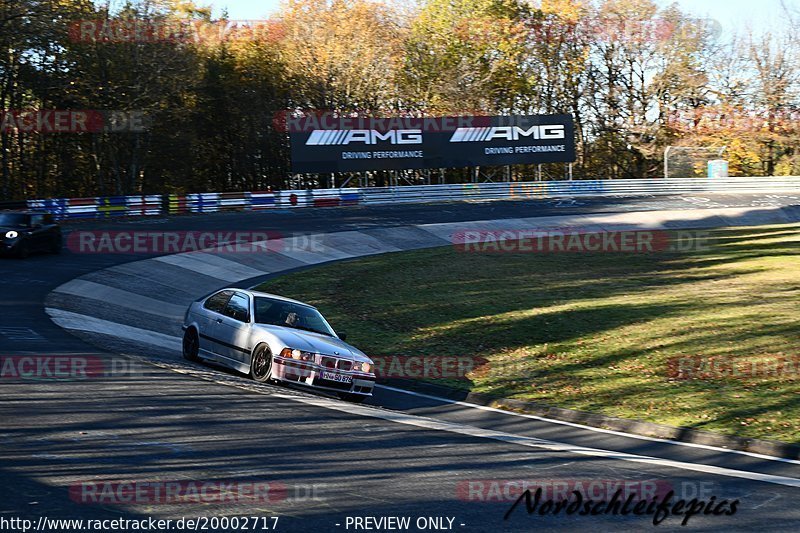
[(100, 206), (111, 206)]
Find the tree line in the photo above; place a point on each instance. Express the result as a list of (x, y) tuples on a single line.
[(183, 102)]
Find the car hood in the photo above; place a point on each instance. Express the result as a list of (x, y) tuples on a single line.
[(5, 229), (314, 342)]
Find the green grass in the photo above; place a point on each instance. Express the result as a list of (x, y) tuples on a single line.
[(590, 332)]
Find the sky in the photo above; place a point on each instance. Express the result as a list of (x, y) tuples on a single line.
[(731, 14)]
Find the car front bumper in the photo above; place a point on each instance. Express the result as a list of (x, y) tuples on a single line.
[(311, 374), (10, 247)]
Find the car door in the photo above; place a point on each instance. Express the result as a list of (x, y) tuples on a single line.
[(208, 317), (52, 230), (232, 331), (39, 237)]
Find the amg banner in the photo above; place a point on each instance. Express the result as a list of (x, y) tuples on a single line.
[(321, 143)]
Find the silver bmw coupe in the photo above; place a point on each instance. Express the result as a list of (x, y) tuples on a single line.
[(275, 339)]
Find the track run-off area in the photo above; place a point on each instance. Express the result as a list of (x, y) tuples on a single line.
[(161, 420)]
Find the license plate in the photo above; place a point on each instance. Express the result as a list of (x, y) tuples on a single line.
[(333, 376)]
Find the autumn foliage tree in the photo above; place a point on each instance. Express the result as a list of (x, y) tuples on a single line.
[(637, 76)]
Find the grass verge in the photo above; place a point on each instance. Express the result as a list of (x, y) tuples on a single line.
[(708, 340)]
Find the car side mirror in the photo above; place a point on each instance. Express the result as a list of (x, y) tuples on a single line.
[(342, 335)]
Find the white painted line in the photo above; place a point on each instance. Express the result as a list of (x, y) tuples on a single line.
[(531, 442), (69, 320), (78, 322), (592, 428), (230, 271)]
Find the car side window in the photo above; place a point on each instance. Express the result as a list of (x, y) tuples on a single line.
[(217, 302), (265, 311), (37, 220), (238, 308)]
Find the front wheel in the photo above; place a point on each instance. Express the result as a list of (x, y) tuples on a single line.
[(261, 364), (352, 398), (191, 345)]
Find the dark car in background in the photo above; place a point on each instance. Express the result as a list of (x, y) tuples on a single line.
[(22, 233)]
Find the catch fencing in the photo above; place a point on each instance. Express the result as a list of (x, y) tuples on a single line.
[(146, 205)]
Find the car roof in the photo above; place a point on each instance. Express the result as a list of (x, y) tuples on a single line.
[(270, 295)]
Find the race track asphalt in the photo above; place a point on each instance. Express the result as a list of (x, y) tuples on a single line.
[(325, 460)]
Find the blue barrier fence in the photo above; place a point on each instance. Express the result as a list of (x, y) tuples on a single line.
[(148, 205)]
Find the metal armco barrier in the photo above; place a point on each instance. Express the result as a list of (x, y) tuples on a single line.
[(106, 206), (100, 207)]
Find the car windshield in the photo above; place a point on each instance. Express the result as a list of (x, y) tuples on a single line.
[(290, 315), (14, 220)]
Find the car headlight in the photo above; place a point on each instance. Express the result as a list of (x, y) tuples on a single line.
[(300, 355), (12, 234), (362, 367)]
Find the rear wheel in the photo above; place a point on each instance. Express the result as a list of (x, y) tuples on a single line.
[(191, 345), (261, 364), (352, 398)]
